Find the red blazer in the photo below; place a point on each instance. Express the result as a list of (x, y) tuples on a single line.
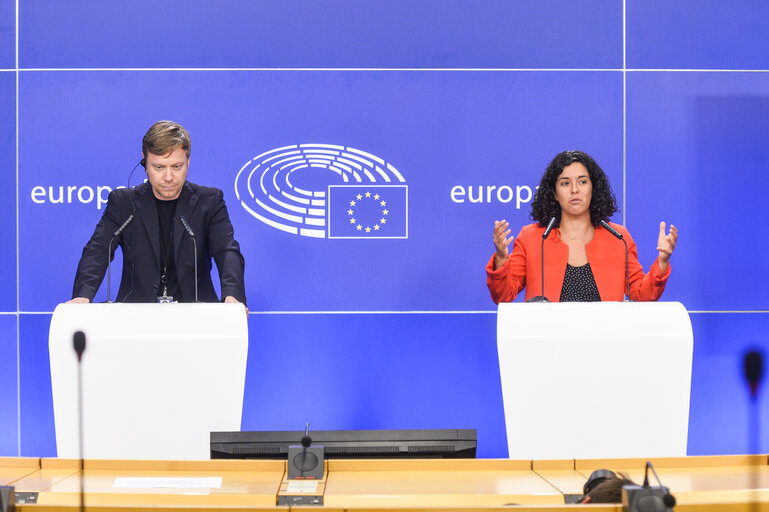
[(605, 253)]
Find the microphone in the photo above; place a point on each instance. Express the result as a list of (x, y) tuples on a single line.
[(305, 462), (78, 341), (647, 498), (109, 254), (189, 231), (548, 229), (668, 499), (754, 371), (306, 439), (187, 227), (611, 230), (616, 233), (123, 226)]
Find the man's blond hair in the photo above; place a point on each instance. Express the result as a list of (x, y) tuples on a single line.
[(165, 136)]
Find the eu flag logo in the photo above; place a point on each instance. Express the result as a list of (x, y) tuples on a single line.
[(368, 211)]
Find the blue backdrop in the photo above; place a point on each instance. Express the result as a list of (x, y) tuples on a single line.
[(457, 108)]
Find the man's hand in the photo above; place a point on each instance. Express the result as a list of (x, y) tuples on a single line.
[(232, 300), (78, 300)]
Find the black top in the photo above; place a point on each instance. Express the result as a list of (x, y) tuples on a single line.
[(579, 285), (166, 212)]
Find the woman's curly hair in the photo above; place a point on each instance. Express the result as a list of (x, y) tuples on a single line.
[(544, 206)]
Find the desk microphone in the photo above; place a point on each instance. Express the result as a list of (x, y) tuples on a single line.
[(306, 462), (647, 498), (189, 231), (616, 233), (548, 229), (109, 256), (306, 439)]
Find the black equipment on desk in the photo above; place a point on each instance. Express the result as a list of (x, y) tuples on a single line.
[(349, 444), (647, 498), (7, 499), (305, 461)]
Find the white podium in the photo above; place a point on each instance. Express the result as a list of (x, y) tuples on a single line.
[(595, 380), (157, 378)]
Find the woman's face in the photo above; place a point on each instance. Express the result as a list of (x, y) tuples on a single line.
[(574, 190)]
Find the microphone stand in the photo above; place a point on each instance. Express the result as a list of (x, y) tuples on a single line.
[(78, 340), (109, 254), (548, 229), (754, 372), (109, 269), (617, 234), (189, 231), (627, 272)]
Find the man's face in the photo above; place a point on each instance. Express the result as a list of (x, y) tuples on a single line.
[(167, 173)]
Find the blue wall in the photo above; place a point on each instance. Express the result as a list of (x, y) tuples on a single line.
[(468, 103)]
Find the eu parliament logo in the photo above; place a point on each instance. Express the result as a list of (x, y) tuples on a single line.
[(325, 191)]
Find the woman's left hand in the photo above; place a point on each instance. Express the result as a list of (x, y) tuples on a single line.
[(666, 244)]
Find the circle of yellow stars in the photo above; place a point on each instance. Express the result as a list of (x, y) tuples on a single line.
[(374, 197)]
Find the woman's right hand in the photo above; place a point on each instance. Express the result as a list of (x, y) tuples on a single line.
[(501, 232)]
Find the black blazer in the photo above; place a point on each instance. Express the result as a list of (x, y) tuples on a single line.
[(205, 211)]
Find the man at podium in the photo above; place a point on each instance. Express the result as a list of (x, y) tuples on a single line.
[(583, 257), (166, 227)]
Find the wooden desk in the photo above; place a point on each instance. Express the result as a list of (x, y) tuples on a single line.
[(14, 468), (731, 484), (245, 484), (740, 479), (48, 473), (436, 483), (561, 475)]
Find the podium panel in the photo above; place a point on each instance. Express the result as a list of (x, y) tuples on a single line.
[(595, 380), (157, 378)]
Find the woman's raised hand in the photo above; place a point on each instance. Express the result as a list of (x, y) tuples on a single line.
[(501, 241), (666, 244)]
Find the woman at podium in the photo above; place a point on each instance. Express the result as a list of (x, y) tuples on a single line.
[(581, 258)]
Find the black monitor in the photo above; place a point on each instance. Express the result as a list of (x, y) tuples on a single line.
[(348, 444)]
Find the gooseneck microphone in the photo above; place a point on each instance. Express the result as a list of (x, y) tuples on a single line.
[(754, 371), (548, 229), (647, 498), (78, 340), (109, 254), (189, 231), (667, 499), (616, 233), (305, 461), (306, 439)]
